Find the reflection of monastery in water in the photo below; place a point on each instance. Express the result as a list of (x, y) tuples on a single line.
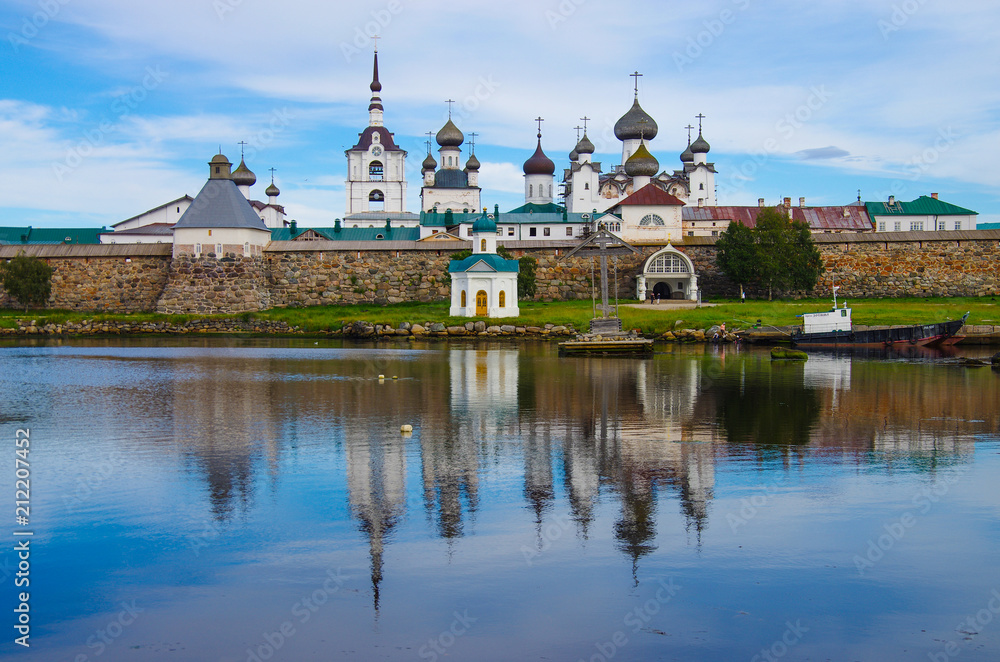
[(637, 433)]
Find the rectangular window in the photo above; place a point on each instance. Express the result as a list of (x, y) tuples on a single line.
[(897, 226), (715, 233), (547, 231), (569, 231), (532, 232), (197, 249), (881, 226), (510, 232), (690, 233), (958, 225), (218, 250), (468, 231), (916, 226)]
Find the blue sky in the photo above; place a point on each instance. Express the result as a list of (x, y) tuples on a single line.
[(111, 107)]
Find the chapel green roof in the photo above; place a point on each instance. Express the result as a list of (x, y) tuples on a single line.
[(492, 260)]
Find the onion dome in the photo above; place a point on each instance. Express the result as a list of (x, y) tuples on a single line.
[(472, 163), (242, 176), (635, 124), (271, 190), (700, 145), (687, 156), (574, 155), (449, 135), (587, 147), (642, 163), (538, 163), (429, 163), (484, 224)]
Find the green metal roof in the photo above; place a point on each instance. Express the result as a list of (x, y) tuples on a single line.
[(988, 226), (535, 208), (30, 235), (922, 206), (539, 218), (441, 219), (350, 234), (492, 259)]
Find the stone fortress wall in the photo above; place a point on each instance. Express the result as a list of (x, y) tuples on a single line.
[(144, 277)]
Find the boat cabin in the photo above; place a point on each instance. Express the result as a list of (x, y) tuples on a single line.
[(838, 319)]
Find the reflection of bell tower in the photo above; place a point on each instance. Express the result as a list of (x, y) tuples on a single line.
[(376, 483), (376, 167)]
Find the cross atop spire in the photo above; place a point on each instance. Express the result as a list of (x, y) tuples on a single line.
[(241, 143), (642, 128), (689, 127), (430, 135), (539, 120), (375, 38), (449, 102), (636, 76), (272, 174), (700, 118), (578, 129), (472, 142), (584, 119)]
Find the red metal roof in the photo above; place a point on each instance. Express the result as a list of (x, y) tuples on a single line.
[(650, 194), (820, 219)]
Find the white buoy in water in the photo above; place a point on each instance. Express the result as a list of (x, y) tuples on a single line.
[(406, 428)]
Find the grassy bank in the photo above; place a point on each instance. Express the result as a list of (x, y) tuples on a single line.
[(578, 313)]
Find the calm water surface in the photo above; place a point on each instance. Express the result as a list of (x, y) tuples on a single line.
[(242, 500)]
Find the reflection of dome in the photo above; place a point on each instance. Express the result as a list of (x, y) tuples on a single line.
[(272, 190), (538, 163), (700, 145), (635, 124), (642, 163), (242, 176), (472, 163), (585, 146), (449, 135), (429, 163)]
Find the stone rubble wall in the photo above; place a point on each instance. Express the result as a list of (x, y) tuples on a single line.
[(211, 285), (113, 284), (234, 284)]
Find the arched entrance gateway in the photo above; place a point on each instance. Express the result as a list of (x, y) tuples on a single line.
[(669, 274)]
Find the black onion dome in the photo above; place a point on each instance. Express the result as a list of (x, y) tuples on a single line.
[(642, 163), (587, 147), (687, 156), (574, 155), (700, 145), (472, 163), (429, 163), (538, 163), (635, 124), (449, 135), (242, 176)]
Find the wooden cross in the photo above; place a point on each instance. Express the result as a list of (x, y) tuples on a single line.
[(449, 102), (636, 76)]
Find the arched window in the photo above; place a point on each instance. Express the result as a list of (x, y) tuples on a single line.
[(651, 219), (376, 200), (550, 190), (668, 263), (246, 248), (531, 190), (503, 299), (463, 298), (482, 246), (375, 171), (586, 186)]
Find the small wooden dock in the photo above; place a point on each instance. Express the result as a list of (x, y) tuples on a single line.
[(607, 347)]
